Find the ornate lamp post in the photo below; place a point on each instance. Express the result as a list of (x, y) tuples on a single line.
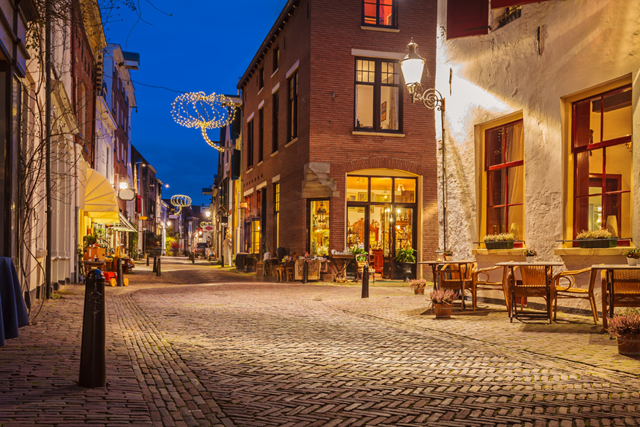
[(412, 68)]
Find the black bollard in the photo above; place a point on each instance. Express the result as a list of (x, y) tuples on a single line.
[(305, 272), (119, 271), (93, 367), (365, 281), (147, 260), (159, 267), (222, 260), (155, 264)]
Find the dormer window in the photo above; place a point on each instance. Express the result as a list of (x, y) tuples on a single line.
[(379, 13)]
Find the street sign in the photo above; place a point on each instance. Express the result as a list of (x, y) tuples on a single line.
[(127, 194)]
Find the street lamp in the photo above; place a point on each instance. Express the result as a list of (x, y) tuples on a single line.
[(124, 185), (168, 223), (412, 67), (207, 214)]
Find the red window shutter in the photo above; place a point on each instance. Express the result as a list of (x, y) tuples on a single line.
[(506, 3), (467, 18)]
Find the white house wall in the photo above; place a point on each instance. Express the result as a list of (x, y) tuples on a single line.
[(584, 44)]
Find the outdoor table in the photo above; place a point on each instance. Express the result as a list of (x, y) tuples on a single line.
[(341, 262), (13, 311), (460, 263), (434, 268), (548, 280), (313, 271), (90, 265), (608, 286)]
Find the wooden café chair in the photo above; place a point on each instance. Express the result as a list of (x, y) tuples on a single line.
[(450, 278), (565, 287), (481, 281), (260, 268), (533, 284), (626, 289)]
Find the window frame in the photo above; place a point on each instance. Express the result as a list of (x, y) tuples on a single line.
[(261, 79), (260, 135), (292, 106), (276, 59), (275, 117), (276, 212), (602, 174), (394, 16), (377, 94), (250, 143), (497, 167)]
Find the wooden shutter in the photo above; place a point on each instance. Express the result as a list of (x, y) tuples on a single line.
[(506, 3), (467, 18)]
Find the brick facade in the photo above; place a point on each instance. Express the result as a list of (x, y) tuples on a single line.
[(319, 38)]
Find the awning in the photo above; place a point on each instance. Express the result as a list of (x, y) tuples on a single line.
[(124, 225), (100, 202)]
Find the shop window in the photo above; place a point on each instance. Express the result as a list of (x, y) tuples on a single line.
[(405, 190), (292, 128), (471, 17), (601, 147), (357, 189), (381, 190), (380, 13), (255, 236), (260, 134), (319, 227), (250, 144), (504, 168), (274, 125), (276, 207), (377, 95)]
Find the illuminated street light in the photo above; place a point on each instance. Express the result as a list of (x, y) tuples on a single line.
[(169, 223), (124, 185), (412, 67), (207, 214)]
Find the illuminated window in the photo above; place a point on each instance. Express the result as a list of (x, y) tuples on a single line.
[(601, 147), (276, 207), (379, 13), (255, 236), (377, 95), (504, 168), (319, 227)]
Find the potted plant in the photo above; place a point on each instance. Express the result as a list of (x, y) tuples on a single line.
[(418, 286), (626, 328), (447, 255), (529, 254), (405, 260), (499, 241), (632, 256), (596, 239), (442, 301)]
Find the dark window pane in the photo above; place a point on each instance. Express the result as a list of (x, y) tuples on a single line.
[(617, 115), (514, 143), (494, 146), (496, 185), (516, 187), (496, 221)]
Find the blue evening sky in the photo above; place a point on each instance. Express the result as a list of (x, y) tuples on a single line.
[(206, 45)]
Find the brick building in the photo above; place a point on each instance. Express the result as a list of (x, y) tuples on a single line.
[(335, 154)]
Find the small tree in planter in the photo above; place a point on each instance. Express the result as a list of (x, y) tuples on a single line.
[(442, 301), (626, 327), (632, 256), (405, 259), (447, 255), (596, 239), (418, 286), (499, 241), (529, 254)]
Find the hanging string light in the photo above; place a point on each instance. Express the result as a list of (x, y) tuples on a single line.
[(180, 201), (197, 110)]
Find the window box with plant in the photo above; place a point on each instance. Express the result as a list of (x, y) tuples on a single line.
[(405, 262), (442, 302), (448, 255), (418, 286), (596, 239), (499, 241), (632, 256), (529, 254), (626, 328)]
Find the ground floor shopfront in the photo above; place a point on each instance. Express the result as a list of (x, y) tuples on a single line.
[(380, 210)]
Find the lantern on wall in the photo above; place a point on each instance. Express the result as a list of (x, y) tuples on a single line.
[(321, 214)]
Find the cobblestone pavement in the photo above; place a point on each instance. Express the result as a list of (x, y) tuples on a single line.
[(198, 346)]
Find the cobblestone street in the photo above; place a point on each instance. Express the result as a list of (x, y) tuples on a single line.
[(205, 346)]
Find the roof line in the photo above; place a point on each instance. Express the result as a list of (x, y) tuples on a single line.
[(287, 11)]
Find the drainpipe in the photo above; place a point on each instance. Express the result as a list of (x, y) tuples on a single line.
[(49, 214)]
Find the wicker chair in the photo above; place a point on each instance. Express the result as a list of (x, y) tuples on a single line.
[(450, 278), (483, 284), (569, 290), (360, 267), (260, 268), (626, 287), (533, 284)]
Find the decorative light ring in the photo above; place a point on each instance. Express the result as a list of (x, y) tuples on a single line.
[(204, 224), (180, 201), (432, 99), (197, 110)]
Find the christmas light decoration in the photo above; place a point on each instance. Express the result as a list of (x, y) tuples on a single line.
[(180, 201), (197, 110)]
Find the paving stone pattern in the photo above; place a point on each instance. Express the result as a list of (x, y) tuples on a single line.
[(235, 351)]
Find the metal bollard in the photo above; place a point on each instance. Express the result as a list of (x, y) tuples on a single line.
[(93, 366), (119, 271), (305, 272), (155, 264), (365, 281), (222, 260), (159, 267), (147, 260)]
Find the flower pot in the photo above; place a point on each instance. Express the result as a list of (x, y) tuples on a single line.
[(597, 243), (508, 244), (404, 270), (632, 261), (443, 311), (418, 291), (629, 346), (530, 259)]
